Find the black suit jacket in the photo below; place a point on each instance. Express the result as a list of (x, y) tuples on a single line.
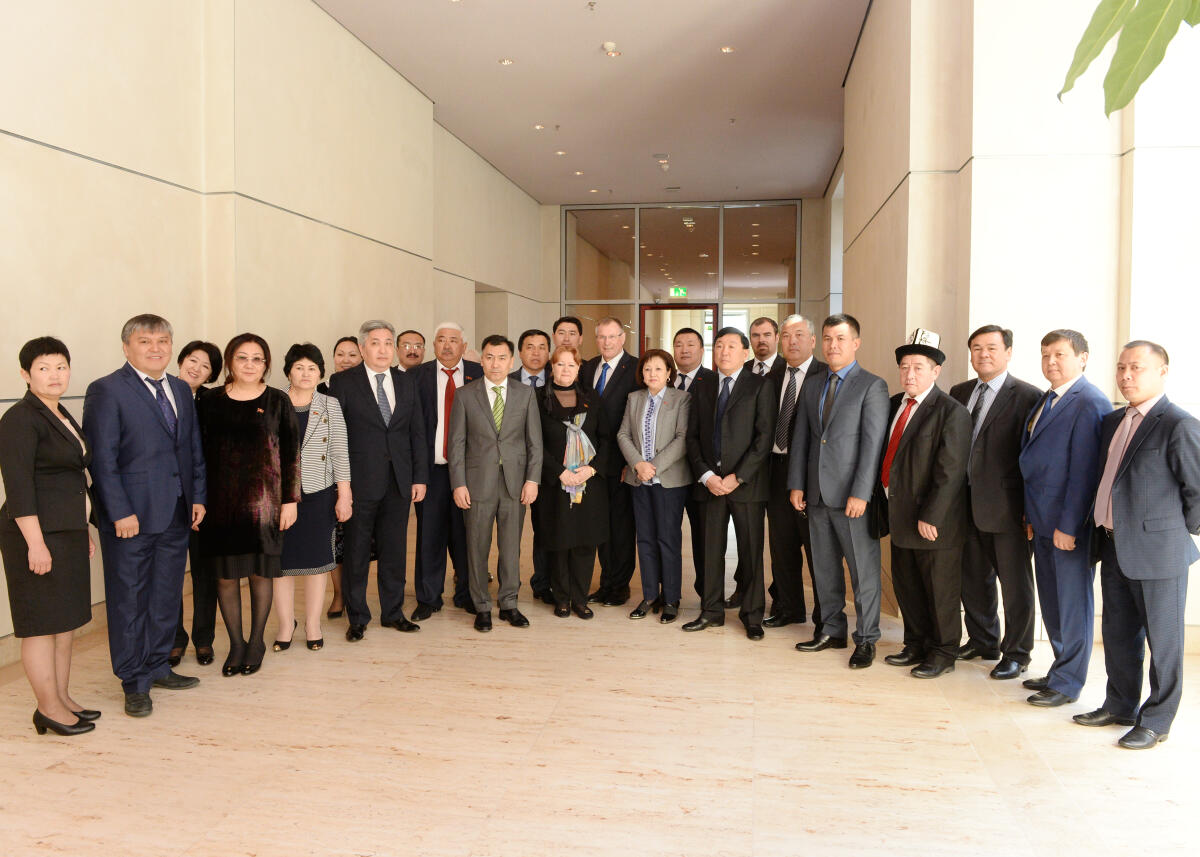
[(928, 479), (398, 450), (995, 483), (776, 370), (42, 465), (747, 432), (425, 377), (778, 377), (617, 388), (703, 373)]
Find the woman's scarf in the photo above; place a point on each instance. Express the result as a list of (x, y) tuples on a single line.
[(579, 452)]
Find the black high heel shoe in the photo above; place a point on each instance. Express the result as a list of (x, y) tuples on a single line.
[(41, 723), (251, 669), (233, 666), (284, 645), (334, 614), (204, 655), (88, 714), (315, 645)]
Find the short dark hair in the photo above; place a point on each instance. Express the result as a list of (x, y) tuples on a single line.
[(236, 343), (568, 319), (533, 331), (210, 351), (497, 339), (410, 330), (353, 339), (667, 360), (43, 346), (1004, 332), (690, 330), (733, 331), (1154, 347), (763, 319), (303, 351), (842, 318), (1078, 342)]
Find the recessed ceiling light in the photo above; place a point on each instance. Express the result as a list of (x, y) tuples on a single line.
[(649, 255), (755, 235), (754, 273), (624, 227), (753, 245), (754, 224), (727, 49), (593, 190), (579, 172), (506, 61), (610, 49), (703, 255), (712, 273), (539, 127), (560, 152), (755, 253)]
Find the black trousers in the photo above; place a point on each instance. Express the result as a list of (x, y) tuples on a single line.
[(204, 604), (387, 520), (1008, 558), (617, 554), (695, 515), (440, 531), (787, 531), (927, 586), (540, 582), (571, 573), (748, 530)]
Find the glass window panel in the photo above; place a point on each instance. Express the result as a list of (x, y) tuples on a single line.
[(600, 246), (760, 252), (679, 254), (660, 324), (740, 315), (589, 314)]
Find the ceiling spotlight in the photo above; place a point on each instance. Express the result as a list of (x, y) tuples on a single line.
[(664, 166), (753, 245), (754, 224), (727, 49), (610, 48), (594, 190), (624, 227), (506, 61), (755, 253), (560, 152), (703, 255), (539, 127), (579, 172), (755, 235)]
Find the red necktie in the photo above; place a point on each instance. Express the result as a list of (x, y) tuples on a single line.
[(894, 440), (446, 412)]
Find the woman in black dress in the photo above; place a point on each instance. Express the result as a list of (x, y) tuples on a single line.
[(44, 537), (346, 355), (199, 364), (252, 455), (572, 514)]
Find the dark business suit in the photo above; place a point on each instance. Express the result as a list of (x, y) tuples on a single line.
[(996, 546), (440, 527), (927, 482), (1059, 462), (139, 467), (385, 462), (539, 583), (787, 529), (744, 434), (1144, 560), (695, 512), (834, 457), (617, 554)]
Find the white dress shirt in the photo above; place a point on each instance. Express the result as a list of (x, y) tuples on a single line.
[(389, 386), (766, 365), (690, 378), (920, 397), (439, 434), (612, 367), (541, 376), (801, 372), (152, 386)]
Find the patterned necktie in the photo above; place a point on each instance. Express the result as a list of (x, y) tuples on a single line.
[(722, 401), (498, 407), (449, 402), (977, 411), (385, 409), (830, 395), (164, 405), (533, 381), (647, 446), (761, 369), (787, 411), (894, 442), (603, 380)]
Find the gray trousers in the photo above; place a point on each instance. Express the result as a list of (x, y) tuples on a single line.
[(835, 537), (509, 517)]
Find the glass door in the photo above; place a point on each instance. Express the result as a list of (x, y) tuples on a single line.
[(660, 323)]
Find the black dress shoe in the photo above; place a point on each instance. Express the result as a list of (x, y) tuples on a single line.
[(546, 596), (670, 613), (41, 723), (971, 651), (1101, 717), (87, 714), (657, 604), (515, 618), (562, 611), (582, 611), (174, 657), (138, 704), (423, 612), (702, 623), (821, 642), (355, 633), (175, 681), (1035, 683), (1141, 738), (615, 599), (1050, 699), (755, 632), (204, 655), (1007, 668), (906, 657), (734, 600), (779, 620), (931, 670), (597, 597), (641, 610), (402, 625), (863, 657), (483, 621)]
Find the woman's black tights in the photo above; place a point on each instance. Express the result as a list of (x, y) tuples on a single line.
[(229, 596)]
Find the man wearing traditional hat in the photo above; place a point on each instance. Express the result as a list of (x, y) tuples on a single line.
[(923, 478)]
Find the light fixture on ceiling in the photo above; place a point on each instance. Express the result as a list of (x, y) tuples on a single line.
[(727, 49), (754, 224), (712, 273), (579, 172), (539, 127), (594, 190), (753, 245), (506, 61), (625, 227), (703, 255), (671, 189), (560, 152), (754, 235), (755, 253), (610, 49)]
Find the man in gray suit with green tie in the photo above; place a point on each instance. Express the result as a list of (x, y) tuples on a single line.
[(495, 459)]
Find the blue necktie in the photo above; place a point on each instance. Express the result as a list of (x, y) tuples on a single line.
[(722, 401), (168, 412), (647, 446), (603, 380), (385, 409)]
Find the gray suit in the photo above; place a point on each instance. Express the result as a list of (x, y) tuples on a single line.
[(831, 463), (493, 466), (670, 437)]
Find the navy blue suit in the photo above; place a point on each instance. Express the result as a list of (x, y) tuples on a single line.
[(1059, 465), (140, 468), (440, 527)]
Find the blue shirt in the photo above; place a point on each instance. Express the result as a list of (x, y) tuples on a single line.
[(841, 373)]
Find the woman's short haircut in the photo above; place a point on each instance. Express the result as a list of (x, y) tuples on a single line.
[(566, 349), (353, 339), (245, 339), (210, 351), (303, 351), (43, 346), (667, 360)]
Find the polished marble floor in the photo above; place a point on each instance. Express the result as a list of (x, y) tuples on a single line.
[(607, 737)]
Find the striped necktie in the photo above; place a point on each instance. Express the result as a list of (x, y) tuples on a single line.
[(498, 407)]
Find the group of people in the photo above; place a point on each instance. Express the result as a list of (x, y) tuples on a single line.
[(978, 485)]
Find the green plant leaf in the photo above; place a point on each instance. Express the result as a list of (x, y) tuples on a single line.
[(1193, 15), (1106, 22), (1140, 48)]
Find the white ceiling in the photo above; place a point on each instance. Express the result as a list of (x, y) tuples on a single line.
[(671, 91)]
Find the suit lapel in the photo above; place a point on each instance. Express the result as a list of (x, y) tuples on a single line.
[(1001, 402), (316, 411), (847, 385), (1048, 413), (54, 421), (924, 412), (142, 392), (1143, 431)]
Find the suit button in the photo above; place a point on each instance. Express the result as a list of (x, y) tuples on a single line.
[(322, 458), (822, 440), (324, 440)]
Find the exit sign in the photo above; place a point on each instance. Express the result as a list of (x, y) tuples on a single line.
[(679, 291)]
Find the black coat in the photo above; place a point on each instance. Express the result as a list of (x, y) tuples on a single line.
[(560, 524), (617, 388), (43, 467), (747, 433), (996, 486)]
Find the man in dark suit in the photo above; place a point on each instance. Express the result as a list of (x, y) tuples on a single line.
[(923, 477), (611, 374), (832, 471), (1059, 458), (440, 527), (764, 342), (730, 431), (996, 545), (787, 528), (533, 347), (410, 350), (149, 484), (1147, 509), (688, 348), (389, 468)]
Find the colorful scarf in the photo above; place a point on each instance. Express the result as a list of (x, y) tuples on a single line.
[(578, 453)]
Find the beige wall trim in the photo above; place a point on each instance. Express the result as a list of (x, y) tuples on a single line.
[(899, 185)]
